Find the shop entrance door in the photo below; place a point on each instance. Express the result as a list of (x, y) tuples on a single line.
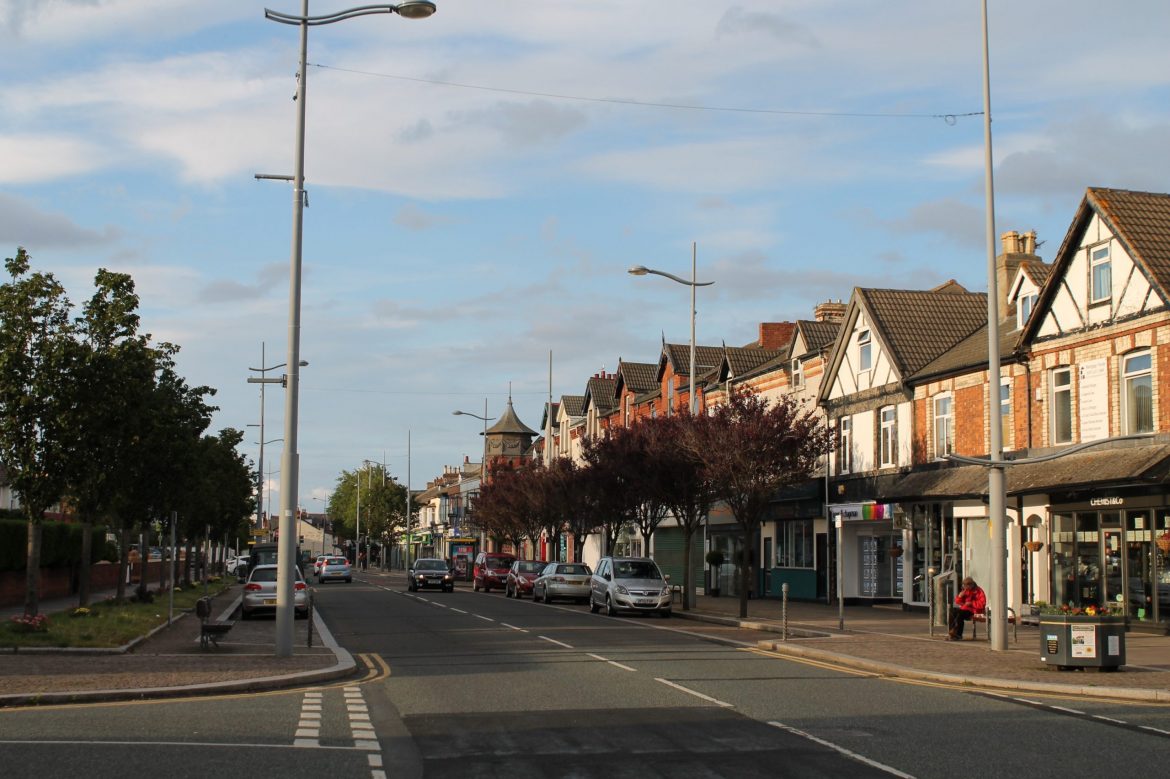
[(1114, 587)]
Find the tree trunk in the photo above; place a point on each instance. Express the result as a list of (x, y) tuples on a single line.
[(123, 561), (144, 556), (32, 579), (744, 582), (688, 584), (83, 585)]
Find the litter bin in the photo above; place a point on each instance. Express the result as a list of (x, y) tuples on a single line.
[(1082, 641)]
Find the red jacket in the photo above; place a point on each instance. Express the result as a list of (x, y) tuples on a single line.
[(973, 600)]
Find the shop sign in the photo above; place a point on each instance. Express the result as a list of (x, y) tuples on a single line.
[(1112, 501), (861, 512)]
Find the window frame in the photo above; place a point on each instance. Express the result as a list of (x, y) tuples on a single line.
[(948, 426), (864, 351), (888, 436), (1025, 305), (1100, 257), (845, 445), (1060, 396), (1128, 379), (796, 544), (797, 373)]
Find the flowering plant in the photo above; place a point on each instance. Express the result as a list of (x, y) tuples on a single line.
[(36, 624), (80, 611), (1069, 610)]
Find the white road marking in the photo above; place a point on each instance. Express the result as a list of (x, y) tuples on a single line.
[(1110, 719), (458, 611), (485, 619), (554, 641), (1156, 730), (689, 691), (375, 761), (842, 750), (612, 662), (522, 630), (1070, 711)]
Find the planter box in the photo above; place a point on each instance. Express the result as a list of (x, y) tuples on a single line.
[(1082, 641)]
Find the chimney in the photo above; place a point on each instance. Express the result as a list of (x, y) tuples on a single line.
[(1016, 249), (775, 335), (829, 311)]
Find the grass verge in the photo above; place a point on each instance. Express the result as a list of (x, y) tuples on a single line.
[(107, 624)]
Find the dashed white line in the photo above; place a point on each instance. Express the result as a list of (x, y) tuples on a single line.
[(689, 691), (1110, 719), (612, 662), (554, 641), (485, 619), (375, 761), (1155, 730), (1070, 711), (522, 630), (842, 750), (458, 611)]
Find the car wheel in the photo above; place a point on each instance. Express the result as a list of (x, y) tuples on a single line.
[(665, 613), (349, 581), (449, 588), (548, 599), (610, 611), (593, 605)]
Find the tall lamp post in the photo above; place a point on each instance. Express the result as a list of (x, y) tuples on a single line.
[(290, 464), (641, 270), (262, 381), (483, 465)]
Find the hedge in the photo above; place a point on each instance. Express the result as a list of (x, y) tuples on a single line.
[(60, 545)]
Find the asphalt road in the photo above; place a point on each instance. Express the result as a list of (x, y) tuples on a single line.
[(476, 685)]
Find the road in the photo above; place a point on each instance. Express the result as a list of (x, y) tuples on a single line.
[(476, 685)]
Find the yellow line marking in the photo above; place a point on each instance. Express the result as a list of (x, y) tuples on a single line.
[(810, 661)]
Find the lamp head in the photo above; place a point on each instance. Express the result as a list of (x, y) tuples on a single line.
[(638, 270), (457, 413), (415, 9), (303, 363)]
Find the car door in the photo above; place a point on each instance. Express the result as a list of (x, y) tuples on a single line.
[(597, 583)]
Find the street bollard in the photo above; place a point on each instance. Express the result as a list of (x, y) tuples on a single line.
[(930, 598), (309, 619), (784, 609)]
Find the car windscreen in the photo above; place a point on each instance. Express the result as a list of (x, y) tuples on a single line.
[(263, 575), (499, 562), (636, 569), (573, 570), (430, 565), (337, 561), (531, 567)]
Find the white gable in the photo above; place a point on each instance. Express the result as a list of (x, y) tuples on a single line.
[(1100, 284), (852, 375)]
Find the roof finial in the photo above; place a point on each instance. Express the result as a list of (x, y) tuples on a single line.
[(509, 393)]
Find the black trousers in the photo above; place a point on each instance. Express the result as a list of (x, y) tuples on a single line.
[(957, 618)]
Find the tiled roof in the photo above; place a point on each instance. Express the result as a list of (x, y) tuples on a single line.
[(817, 335), (638, 376), (970, 353), (706, 358), (1037, 271), (1142, 221), (918, 326), (743, 359), (601, 392), (510, 423), (574, 405)]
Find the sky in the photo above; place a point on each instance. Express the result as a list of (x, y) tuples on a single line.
[(479, 181)]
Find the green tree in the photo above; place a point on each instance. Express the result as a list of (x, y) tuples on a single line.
[(35, 398)]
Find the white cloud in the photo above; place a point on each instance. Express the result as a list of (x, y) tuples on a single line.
[(31, 158)]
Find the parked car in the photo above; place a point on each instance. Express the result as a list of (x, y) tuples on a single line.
[(562, 580), (491, 570), (317, 563), (238, 565), (430, 572), (260, 592), (335, 568), (521, 576), (629, 584)]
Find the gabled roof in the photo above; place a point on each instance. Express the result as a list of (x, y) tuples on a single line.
[(918, 326), (818, 336), (550, 412), (510, 423), (1141, 222), (743, 359), (637, 377), (599, 392), (1037, 271), (679, 357), (574, 405)]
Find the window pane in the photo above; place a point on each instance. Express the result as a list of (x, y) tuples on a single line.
[(1062, 406), (1101, 273), (1139, 405)]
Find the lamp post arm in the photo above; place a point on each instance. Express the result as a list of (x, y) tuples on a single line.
[(989, 463), (672, 277)]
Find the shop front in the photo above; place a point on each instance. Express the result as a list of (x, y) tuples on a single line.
[(1112, 549), (871, 549), (461, 554)]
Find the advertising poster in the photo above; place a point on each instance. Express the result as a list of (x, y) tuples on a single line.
[(1084, 640)]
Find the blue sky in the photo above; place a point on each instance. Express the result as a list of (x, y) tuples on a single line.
[(479, 181)]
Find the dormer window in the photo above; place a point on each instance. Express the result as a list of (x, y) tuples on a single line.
[(1024, 308), (1100, 274), (864, 347)]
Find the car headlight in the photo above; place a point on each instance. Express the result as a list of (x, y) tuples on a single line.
[(447, 578), (665, 592), (621, 590)]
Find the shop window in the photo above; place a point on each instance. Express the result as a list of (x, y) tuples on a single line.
[(1137, 399), (944, 426), (889, 436), (795, 544), (1061, 405)]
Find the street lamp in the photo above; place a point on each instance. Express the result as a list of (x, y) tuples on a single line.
[(641, 270), (325, 520), (262, 381), (483, 466), (410, 9)]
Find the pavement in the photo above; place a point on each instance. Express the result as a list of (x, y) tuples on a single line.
[(881, 640)]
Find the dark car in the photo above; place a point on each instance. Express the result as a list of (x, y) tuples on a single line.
[(521, 576), (430, 572), (491, 570)]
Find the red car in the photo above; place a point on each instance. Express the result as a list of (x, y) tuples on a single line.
[(521, 576), (491, 570)]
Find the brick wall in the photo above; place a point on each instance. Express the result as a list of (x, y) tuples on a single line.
[(58, 582)]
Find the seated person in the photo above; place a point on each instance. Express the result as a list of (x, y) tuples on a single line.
[(970, 601)]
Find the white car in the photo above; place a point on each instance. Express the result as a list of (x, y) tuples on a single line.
[(237, 564), (629, 584), (260, 592)]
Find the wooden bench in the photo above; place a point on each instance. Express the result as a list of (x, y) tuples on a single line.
[(210, 630), (976, 619)]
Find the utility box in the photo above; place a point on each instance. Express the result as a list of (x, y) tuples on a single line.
[(1082, 641)]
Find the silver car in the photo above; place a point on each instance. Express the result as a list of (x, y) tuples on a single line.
[(260, 592), (562, 580), (629, 584), (335, 568)]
